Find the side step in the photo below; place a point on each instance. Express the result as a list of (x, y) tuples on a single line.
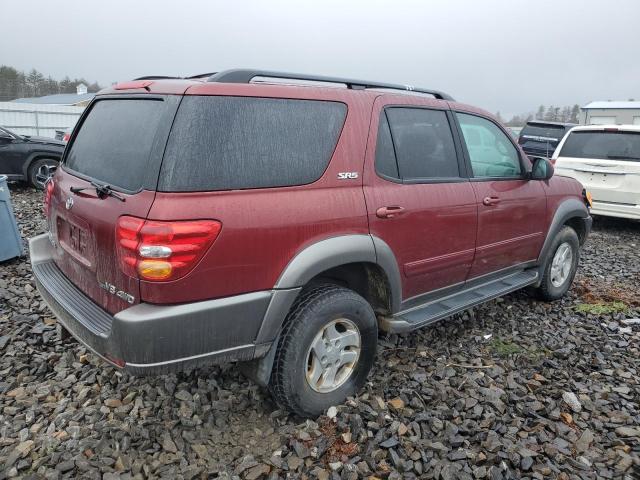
[(435, 310)]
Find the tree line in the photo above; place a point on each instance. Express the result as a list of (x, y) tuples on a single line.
[(551, 113), (17, 84)]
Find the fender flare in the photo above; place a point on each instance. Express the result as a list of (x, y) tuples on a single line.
[(336, 251), (32, 156), (568, 209)]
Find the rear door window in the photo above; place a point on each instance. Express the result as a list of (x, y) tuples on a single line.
[(602, 145), (226, 143), (115, 140), (386, 164), (422, 141)]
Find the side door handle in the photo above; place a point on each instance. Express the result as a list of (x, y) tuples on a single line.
[(389, 212), (490, 201)]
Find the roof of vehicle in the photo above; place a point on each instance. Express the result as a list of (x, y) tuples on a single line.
[(612, 104), (597, 128), (168, 84), (544, 122)]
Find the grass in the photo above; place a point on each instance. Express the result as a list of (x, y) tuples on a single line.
[(602, 308), (504, 349)]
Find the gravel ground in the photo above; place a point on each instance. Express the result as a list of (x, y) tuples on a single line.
[(512, 389)]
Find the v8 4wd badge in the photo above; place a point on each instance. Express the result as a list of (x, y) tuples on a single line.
[(113, 290)]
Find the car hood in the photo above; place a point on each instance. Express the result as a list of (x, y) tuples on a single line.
[(45, 141)]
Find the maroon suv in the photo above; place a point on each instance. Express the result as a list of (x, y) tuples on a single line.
[(284, 219)]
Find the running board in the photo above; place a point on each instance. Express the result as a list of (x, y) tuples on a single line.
[(435, 310)]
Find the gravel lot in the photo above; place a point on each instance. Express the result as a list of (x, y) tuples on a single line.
[(513, 389)]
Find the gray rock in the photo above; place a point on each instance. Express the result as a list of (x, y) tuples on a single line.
[(571, 399)]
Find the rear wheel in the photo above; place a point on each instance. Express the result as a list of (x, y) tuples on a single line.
[(561, 265), (41, 170), (325, 351)]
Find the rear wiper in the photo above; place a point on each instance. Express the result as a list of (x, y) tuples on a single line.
[(102, 191), (622, 157)]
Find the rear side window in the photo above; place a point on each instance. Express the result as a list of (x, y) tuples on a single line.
[(115, 140), (423, 144), (602, 145), (226, 143)]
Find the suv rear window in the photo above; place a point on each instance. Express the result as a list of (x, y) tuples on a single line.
[(226, 143), (115, 140), (541, 133), (602, 145)]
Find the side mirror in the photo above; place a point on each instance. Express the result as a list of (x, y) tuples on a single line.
[(542, 169)]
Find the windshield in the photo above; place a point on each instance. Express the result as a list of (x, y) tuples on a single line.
[(602, 145), (542, 133), (6, 131)]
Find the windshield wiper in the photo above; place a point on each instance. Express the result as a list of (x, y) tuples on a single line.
[(622, 157), (102, 191)]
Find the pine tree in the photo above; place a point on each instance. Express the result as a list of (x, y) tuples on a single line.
[(575, 114), (34, 82), (550, 114), (540, 112)]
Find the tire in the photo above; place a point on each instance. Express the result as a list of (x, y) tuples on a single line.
[(40, 170), (551, 288), (313, 318)]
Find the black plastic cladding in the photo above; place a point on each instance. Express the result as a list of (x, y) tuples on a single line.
[(246, 75)]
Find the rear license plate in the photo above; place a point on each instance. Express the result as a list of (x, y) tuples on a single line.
[(75, 239)]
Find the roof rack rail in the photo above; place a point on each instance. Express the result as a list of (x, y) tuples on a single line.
[(157, 77), (246, 75), (200, 75)]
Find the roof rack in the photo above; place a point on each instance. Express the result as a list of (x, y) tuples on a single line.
[(201, 75), (157, 77), (246, 75)]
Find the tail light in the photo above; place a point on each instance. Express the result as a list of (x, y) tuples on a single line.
[(48, 191), (160, 251), (66, 137)]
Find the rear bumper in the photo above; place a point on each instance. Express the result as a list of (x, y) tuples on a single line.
[(611, 209), (149, 338)]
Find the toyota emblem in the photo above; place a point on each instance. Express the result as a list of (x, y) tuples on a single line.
[(69, 203)]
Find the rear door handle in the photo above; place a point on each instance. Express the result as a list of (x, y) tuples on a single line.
[(389, 212), (489, 201)]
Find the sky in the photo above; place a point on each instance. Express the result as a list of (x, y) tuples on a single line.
[(501, 55)]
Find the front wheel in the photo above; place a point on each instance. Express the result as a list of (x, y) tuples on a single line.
[(325, 351), (561, 265), (42, 170)]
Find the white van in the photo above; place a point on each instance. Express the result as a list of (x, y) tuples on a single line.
[(606, 160)]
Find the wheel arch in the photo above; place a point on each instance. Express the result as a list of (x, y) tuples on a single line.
[(39, 155), (337, 252), (363, 263), (573, 213)]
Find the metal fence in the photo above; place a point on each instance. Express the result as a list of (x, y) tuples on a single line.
[(37, 119)]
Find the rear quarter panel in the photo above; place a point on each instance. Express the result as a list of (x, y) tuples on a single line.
[(263, 229)]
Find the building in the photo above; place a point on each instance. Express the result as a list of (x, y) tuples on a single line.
[(611, 113), (80, 99)]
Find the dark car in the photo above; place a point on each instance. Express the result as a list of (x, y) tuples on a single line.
[(223, 219), (540, 139), (31, 159), (64, 135)]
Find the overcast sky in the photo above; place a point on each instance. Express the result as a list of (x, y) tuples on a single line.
[(506, 55)]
